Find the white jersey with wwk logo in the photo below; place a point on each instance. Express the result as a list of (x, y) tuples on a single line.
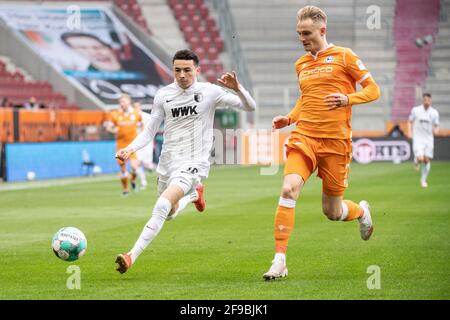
[(188, 116)]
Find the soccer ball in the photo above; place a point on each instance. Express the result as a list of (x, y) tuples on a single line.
[(96, 170), (31, 175), (69, 244)]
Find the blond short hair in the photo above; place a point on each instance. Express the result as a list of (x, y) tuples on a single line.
[(311, 12), (125, 96)]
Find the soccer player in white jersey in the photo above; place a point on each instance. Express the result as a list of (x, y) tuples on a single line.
[(187, 108), (422, 126)]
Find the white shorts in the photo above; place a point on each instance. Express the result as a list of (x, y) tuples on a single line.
[(186, 177), (423, 149)]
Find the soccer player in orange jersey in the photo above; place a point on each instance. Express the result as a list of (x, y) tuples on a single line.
[(327, 77), (124, 123)]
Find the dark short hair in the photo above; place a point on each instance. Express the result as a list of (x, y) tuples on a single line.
[(186, 55), (65, 36), (426, 94)]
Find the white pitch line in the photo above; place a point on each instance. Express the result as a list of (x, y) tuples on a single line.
[(55, 182)]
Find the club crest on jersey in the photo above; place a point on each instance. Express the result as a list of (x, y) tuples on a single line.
[(329, 59), (198, 97)]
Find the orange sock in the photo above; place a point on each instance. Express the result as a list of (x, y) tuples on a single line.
[(284, 223), (124, 181), (354, 211)]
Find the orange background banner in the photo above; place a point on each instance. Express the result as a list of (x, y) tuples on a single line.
[(45, 125)]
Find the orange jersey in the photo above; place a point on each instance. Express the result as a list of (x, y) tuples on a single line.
[(127, 123), (333, 70)]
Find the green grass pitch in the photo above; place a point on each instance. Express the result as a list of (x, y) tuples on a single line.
[(223, 252)]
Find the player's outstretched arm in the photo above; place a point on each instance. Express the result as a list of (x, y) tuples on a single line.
[(147, 135), (245, 102), (111, 128), (370, 92), (409, 131)]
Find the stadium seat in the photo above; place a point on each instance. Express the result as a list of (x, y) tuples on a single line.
[(199, 3), (191, 10), (204, 11), (212, 53), (201, 32), (196, 21)]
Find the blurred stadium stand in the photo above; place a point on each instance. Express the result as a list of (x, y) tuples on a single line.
[(18, 89), (258, 39), (413, 19), (201, 32), (270, 45), (438, 81)]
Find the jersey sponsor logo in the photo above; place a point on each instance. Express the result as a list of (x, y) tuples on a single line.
[(329, 59), (184, 111), (316, 72)]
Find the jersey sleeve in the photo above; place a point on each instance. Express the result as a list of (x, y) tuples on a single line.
[(241, 100), (412, 115), (295, 112), (355, 67), (436, 119), (113, 118), (156, 118)]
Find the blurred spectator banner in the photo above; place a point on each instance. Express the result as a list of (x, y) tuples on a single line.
[(91, 46)]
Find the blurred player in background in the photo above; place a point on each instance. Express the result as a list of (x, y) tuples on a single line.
[(124, 124), (327, 77), (187, 108), (145, 155), (422, 126)]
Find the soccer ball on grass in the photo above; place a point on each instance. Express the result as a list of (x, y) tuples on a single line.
[(69, 243)]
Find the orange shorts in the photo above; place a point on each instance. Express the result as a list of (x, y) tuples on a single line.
[(331, 157)]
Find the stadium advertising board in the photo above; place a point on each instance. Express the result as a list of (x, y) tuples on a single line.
[(367, 150), (24, 161), (265, 147), (92, 47)]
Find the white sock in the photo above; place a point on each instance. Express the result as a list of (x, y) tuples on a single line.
[(152, 228), (344, 211), (425, 171), (183, 202), (141, 174), (280, 257)]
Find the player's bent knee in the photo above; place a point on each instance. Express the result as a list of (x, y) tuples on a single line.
[(290, 192)]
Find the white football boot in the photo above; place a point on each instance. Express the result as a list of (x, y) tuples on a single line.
[(365, 222), (277, 270)]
